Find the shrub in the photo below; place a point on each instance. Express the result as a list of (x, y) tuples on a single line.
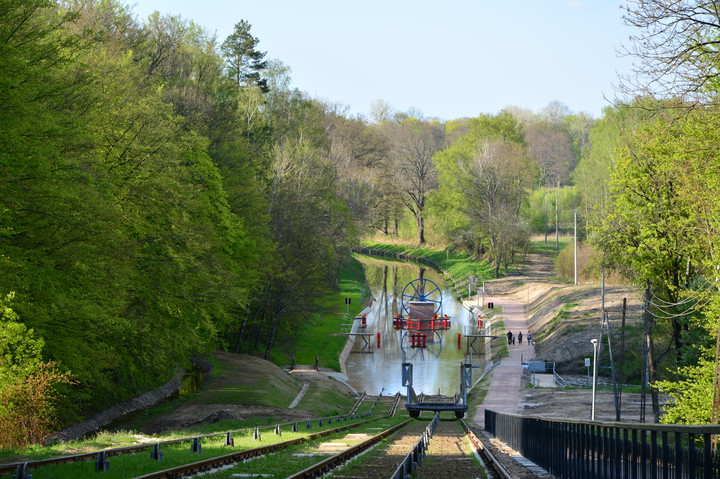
[(27, 385)]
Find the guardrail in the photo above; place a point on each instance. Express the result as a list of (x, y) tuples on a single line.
[(414, 457), (591, 449)]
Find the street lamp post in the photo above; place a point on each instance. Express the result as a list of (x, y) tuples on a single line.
[(594, 383)]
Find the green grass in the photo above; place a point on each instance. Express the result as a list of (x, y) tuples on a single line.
[(477, 394), (131, 465), (326, 400), (294, 459), (321, 337), (499, 349), (539, 246), (563, 313)]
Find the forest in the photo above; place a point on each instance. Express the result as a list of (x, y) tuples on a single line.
[(164, 193)]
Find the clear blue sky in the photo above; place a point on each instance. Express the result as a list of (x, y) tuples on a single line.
[(448, 59)]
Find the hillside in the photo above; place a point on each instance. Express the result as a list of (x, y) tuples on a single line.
[(245, 389), (563, 317)]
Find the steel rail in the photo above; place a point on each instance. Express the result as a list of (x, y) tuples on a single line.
[(327, 465), (11, 468), (396, 403), (219, 461), (492, 465), (358, 402)]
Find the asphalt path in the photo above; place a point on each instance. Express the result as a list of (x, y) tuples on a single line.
[(504, 392)]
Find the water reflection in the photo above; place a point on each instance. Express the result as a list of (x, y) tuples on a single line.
[(435, 369)]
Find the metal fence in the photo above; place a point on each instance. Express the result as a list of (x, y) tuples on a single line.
[(592, 449)]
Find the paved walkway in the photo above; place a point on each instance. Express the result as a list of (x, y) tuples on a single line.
[(504, 392)]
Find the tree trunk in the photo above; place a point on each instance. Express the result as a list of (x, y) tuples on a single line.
[(715, 414), (271, 337), (240, 336), (260, 330), (653, 378), (651, 371), (421, 228), (677, 338)]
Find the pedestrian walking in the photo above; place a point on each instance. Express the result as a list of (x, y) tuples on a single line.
[(520, 337), (529, 337), (509, 336), (512, 336)]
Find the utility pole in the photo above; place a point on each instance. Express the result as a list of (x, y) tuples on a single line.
[(546, 217), (715, 411), (557, 227), (575, 241), (602, 287)]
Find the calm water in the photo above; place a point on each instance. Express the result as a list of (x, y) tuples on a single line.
[(435, 369)]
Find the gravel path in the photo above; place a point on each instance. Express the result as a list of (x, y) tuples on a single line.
[(450, 455)]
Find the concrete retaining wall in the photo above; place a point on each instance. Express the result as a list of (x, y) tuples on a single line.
[(102, 419), (349, 343)]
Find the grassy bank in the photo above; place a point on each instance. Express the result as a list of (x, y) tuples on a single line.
[(458, 267), (321, 337), (237, 379)]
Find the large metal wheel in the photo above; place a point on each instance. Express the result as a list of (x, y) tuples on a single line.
[(421, 289)]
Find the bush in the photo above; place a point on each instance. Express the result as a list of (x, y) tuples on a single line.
[(27, 407), (27, 386)]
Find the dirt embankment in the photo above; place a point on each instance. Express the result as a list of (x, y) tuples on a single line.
[(240, 390), (564, 317)]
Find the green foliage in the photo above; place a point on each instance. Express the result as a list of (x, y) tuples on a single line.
[(115, 227), (608, 136), (661, 225), (28, 394), (20, 350), (483, 178), (692, 394), (534, 209)]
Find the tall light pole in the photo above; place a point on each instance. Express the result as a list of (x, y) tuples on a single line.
[(594, 383)]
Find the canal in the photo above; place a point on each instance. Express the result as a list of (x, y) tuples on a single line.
[(436, 369)]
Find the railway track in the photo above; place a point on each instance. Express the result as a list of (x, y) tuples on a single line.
[(26, 467), (448, 450), (316, 470)]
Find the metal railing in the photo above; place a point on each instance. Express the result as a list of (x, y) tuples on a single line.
[(591, 449)]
